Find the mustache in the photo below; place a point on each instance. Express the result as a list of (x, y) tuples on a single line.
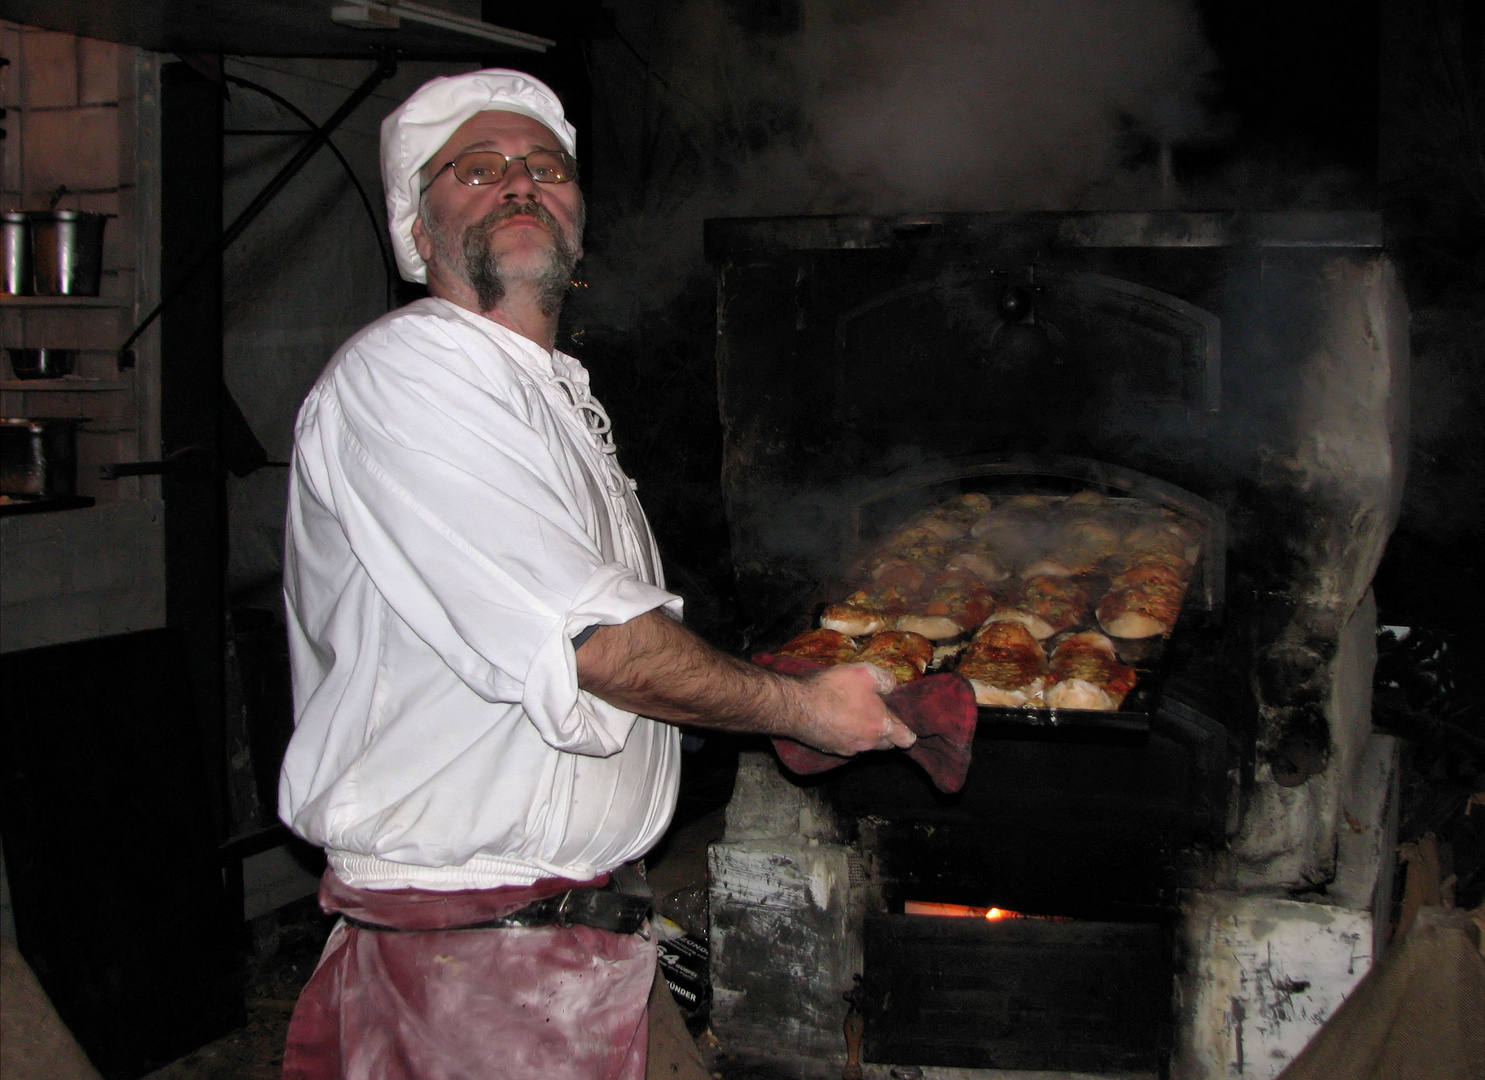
[(512, 209), (481, 266)]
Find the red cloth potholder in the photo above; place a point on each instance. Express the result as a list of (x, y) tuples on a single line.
[(939, 709)]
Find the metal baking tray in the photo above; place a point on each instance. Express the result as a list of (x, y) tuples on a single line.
[(1130, 723), (898, 500)]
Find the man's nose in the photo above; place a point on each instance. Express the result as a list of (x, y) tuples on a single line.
[(517, 182)]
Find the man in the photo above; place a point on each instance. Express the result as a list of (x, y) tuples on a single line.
[(484, 657)]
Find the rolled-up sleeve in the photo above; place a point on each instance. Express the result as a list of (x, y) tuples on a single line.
[(452, 497)]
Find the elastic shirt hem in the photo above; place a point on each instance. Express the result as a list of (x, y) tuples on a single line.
[(480, 872)]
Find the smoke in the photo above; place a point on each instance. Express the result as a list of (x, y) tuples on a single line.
[(1001, 106), (895, 107)]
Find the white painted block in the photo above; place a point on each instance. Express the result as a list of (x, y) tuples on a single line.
[(786, 943), (1261, 977)]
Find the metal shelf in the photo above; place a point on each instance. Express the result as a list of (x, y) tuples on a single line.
[(63, 302), (11, 505), (70, 386)]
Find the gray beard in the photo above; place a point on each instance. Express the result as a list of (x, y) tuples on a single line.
[(482, 267)]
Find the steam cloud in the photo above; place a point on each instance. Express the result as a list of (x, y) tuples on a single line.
[(894, 107), (1006, 105)]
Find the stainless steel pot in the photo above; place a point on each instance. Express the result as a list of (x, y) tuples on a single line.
[(67, 251), (42, 363), (15, 253), (38, 457)]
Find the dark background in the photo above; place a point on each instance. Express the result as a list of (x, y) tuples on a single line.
[(1310, 105)]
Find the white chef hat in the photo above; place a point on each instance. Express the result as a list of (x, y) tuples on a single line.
[(424, 122)]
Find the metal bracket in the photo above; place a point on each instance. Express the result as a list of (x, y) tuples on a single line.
[(386, 67)]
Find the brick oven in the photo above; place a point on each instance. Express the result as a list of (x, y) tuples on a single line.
[(1202, 876)]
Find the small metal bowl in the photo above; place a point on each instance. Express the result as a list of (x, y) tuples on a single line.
[(42, 363)]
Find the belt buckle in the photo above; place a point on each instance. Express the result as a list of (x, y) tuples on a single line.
[(564, 909)]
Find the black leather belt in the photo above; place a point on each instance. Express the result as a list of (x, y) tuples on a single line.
[(605, 909)]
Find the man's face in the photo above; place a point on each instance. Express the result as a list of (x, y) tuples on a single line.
[(492, 236)]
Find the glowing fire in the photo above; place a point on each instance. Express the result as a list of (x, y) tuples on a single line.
[(923, 907), (991, 914)]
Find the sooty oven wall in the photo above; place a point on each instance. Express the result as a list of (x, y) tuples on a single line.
[(1255, 360)]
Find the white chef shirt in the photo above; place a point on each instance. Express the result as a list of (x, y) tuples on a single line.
[(456, 516)]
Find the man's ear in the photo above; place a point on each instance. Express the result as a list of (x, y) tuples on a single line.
[(421, 240)]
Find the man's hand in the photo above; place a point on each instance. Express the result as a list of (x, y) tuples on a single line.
[(844, 712), (654, 666)]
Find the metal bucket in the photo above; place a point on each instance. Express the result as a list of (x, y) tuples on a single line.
[(67, 251)]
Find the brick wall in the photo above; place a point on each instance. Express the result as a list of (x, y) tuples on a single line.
[(80, 134)]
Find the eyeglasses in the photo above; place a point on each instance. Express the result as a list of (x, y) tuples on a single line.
[(478, 167)]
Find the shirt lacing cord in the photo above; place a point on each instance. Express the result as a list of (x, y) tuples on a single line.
[(595, 419)]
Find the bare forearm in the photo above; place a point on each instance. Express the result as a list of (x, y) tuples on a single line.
[(655, 666)]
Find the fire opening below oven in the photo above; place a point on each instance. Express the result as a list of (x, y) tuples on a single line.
[(965, 986), (961, 911)]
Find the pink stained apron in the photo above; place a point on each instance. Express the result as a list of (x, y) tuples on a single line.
[(555, 1003)]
